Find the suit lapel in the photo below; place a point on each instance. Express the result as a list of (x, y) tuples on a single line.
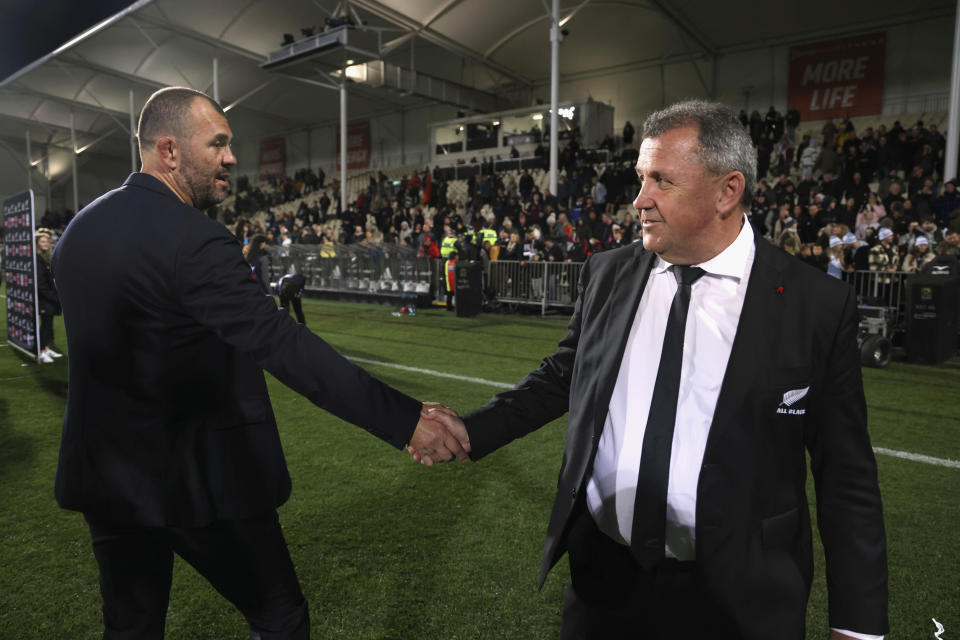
[(756, 338), (619, 320)]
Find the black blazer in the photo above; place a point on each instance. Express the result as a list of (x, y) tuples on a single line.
[(798, 328), (47, 300), (168, 421)]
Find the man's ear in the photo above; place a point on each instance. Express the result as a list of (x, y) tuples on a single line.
[(731, 192), (168, 152)]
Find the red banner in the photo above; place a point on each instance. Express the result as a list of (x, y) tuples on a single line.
[(358, 145), (838, 78), (273, 158)]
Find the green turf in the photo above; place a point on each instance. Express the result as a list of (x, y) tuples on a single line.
[(389, 549)]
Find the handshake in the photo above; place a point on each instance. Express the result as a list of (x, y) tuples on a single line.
[(440, 436)]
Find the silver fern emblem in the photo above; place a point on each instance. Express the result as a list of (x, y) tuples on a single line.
[(791, 397)]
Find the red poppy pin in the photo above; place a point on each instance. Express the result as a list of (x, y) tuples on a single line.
[(780, 289)]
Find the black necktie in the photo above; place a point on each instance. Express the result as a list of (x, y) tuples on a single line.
[(650, 508)]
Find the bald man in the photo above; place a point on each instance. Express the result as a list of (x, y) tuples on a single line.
[(169, 440)]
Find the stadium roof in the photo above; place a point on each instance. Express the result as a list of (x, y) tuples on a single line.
[(499, 48)]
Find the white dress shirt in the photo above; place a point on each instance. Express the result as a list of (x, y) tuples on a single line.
[(715, 304)]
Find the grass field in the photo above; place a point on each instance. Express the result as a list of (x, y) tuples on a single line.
[(389, 549)]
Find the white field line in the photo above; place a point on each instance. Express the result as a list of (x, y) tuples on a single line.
[(916, 457), (906, 455), (430, 372)]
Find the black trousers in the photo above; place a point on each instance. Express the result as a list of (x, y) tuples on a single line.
[(46, 330), (295, 304), (247, 561), (610, 597)]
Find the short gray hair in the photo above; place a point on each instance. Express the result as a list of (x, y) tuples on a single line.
[(724, 145)]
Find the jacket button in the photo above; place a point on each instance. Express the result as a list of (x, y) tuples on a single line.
[(573, 493)]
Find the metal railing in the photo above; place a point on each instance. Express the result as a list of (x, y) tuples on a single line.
[(360, 268), (882, 289), (917, 103), (546, 284), (392, 269)]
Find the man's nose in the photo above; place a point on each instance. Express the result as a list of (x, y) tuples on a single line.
[(643, 200)]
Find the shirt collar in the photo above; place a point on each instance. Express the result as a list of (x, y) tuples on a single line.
[(731, 262)]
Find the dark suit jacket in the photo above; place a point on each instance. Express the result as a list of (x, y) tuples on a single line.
[(168, 421), (47, 300), (798, 328)]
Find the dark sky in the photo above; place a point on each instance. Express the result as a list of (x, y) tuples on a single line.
[(29, 29)]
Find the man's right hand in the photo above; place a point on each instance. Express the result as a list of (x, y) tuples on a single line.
[(440, 436)]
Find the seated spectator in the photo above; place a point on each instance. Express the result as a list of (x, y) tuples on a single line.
[(631, 229), (849, 212), (918, 256), (869, 216), (947, 203), (552, 251), (884, 255), (894, 195), (850, 246), (581, 248), (835, 265), (784, 223), (790, 243), (513, 250), (616, 238), (951, 242)]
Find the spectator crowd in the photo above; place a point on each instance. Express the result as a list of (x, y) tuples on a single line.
[(841, 200)]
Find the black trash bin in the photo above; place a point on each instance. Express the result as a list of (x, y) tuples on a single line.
[(932, 318), (469, 288)]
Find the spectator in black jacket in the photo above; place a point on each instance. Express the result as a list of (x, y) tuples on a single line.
[(48, 302)]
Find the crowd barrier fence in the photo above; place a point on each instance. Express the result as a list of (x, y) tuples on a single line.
[(391, 269), (353, 268)]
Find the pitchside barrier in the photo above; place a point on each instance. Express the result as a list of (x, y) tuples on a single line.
[(389, 270), (353, 268), (549, 285), (882, 289)]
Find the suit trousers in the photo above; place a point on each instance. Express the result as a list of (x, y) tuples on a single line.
[(46, 330), (610, 597), (293, 303), (247, 561)]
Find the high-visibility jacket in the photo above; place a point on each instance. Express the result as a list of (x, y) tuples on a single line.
[(488, 235), (451, 269), (449, 244)]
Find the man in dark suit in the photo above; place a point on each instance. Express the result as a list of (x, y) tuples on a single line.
[(169, 441), (695, 375)]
